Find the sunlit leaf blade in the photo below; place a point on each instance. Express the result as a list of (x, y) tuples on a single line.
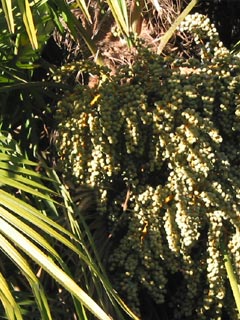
[(21, 170), (112, 294), (233, 280), (119, 12), (11, 307), (236, 48), (28, 231), (80, 251), (50, 267), (167, 36), (82, 5), (22, 264), (33, 215), (8, 11), (44, 223), (76, 27), (11, 74), (20, 182), (7, 157), (26, 12)]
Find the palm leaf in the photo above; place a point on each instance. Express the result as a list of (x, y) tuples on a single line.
[(11, 307), (236, 48), (83, 234), (25, 184), (232, 280), (7, 8), (82, 5), (26, 12), (32, 215), (15, 217), (14, 175), (36, 286), (120, 14), (22, 209), (167, 36), (47, 264)]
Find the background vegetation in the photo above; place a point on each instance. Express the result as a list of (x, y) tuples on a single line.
[(56, 256)]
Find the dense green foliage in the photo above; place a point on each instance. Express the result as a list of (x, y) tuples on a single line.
[(32, 247), (159, 141)]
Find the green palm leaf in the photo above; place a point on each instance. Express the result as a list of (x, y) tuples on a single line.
[(23, 230), (120, 13), (167, 36), (26, 12), (10, 305), (7, 8), (52, 268), (22, 264), (82, 5)]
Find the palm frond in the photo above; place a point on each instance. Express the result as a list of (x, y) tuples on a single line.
[(26, 12), (8, 10), (166, 37), (82, 233), (26, 270), (23, 230), (10, 305), (52, 268)]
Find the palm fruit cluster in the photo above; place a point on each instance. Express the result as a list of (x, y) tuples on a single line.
[(160, 141)]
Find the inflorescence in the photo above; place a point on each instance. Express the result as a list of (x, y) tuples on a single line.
[(166, 131)]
